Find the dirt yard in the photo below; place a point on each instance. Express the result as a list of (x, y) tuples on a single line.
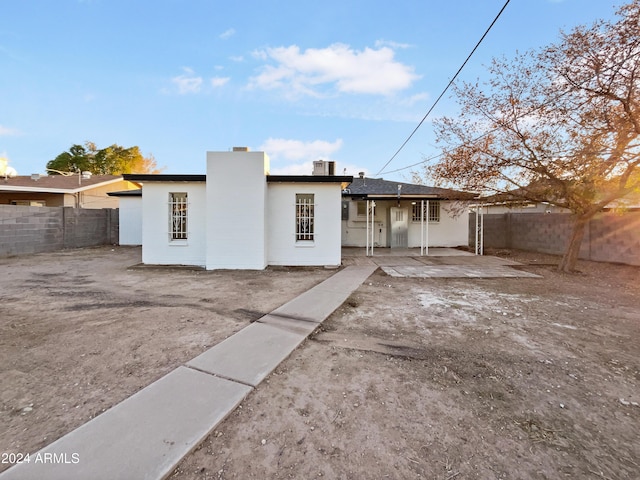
[(410, 378)]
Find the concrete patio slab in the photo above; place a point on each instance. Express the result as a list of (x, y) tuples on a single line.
[(457, 271), (479, 260), (249, 355), (391, 260), (143, 437)]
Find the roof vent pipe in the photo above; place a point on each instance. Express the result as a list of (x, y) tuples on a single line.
[(361, 174)]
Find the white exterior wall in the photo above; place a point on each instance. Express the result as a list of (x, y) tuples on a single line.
[(281, 216), (236, 217), (354, 230), (157, 248), (450, 231), (130, 215)]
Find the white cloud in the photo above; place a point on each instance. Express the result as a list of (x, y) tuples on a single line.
[(370, 71), (296, 150), (227, 34), (8, 132), (413, 99), (219, 81), (188, 82), (389, 43), (237, 59)]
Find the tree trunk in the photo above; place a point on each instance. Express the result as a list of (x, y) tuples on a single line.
[(570, 257)]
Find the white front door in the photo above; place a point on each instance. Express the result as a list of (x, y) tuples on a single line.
[(399, 227)]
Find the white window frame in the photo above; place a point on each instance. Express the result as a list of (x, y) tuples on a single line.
[(305, 218), (433, 214), (178, 217), (363, 204)]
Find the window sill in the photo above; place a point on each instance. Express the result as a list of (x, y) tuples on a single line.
[(178, 243), (305, 243)]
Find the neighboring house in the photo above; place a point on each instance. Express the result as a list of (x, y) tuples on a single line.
[(404, 215), (519, 206), (237, 216), (510, 203), (80, 191)]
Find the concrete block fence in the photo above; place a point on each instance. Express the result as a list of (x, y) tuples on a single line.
[(25, 230), (609, 237)]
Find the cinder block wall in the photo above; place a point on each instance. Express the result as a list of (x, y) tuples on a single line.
[(25, 230), (609, 237), (84, 227)]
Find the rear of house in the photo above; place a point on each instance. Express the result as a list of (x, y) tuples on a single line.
[(237, 216)]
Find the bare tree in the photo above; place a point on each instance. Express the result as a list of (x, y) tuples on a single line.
[(560, 125)]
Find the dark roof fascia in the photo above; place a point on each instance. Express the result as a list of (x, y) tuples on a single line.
[(126, 193), (461, 196), (308, 179), (151, 177)]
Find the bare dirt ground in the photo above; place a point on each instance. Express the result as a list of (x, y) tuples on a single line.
[(410, 378), (80, 331)]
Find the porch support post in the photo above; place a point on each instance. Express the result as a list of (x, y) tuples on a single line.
[(427, 230), (479, 229), (373, 225), (421, 227), (367, 239)]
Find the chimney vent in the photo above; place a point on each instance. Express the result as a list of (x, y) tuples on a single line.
[(361, 174), (323, 167), (240, 149)]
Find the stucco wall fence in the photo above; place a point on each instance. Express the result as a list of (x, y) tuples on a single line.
[(25, 230), (609, 237)]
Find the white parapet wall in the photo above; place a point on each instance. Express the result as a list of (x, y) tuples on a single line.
[(157, 246), (283, 248), (130, 217), (236, 210)]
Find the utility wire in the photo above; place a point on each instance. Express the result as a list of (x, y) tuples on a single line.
[(522, 115), (445, 89)]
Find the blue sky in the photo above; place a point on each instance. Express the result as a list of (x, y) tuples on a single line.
[(344, 80)]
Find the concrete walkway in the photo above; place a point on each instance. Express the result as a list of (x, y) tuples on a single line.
[(145, 436)]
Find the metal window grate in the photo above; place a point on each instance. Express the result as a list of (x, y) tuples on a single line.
[(304, 217), (433, 215), (178, 216)]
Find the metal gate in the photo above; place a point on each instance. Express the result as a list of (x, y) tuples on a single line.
[(399, 227)]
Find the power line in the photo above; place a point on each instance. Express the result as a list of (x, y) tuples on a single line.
[(551, 101), (445, 89)]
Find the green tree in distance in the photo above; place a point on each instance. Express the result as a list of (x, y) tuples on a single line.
[(560, 125), (113, 160)]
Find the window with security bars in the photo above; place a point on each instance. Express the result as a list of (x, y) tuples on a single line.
[(178, 216), (432, 216), (304, 217)]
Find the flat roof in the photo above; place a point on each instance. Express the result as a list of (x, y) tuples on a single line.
[(156, 177), (309, 179)]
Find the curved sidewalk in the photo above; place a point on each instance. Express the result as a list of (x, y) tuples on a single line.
[(145, 436)]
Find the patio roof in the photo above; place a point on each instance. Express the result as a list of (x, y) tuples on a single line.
[(380, 189)]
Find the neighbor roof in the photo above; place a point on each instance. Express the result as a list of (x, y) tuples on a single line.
[(55, 183), (378, 187), (155, 177), (126, 193)]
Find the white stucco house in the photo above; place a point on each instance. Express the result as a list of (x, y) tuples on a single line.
[(383, 213), (237, 216)]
